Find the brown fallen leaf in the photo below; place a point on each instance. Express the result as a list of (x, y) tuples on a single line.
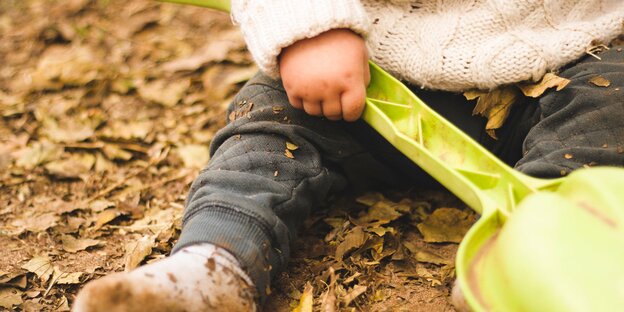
[(104, 217), (446, 225), (38, 153), (136, 251), (494, 105), (164, 92), (549, 80), (65, 65), (383, 212), (354, 239), (41, 266), (20, 280), (423, 255), (329, 302), (75, 166), (36, 224), (600, 81), (355, 292), (306, 300), (64, 278), (10, 297), (74, 245)]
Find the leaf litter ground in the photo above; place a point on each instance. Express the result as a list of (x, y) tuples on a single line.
[(107, 108)]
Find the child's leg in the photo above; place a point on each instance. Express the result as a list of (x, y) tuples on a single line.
[(583, 124), (270, 167)]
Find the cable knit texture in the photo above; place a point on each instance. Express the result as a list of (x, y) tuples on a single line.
[(451, 45)]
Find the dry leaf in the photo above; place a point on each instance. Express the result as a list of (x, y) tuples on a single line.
[(220, 80), (20, 281), (105, 217), (215, 50), (354, 293), (446, 225), (291, 146), (164, 92), (76, 166), (41, 266), (194, 155), (422, 255), (600, 81), (69, 130), (10, 297), (136, 251), (288, 154), (355, 239), (37, 224), (329, 302), (549, 80), (383, 212), (73, 245), (65, 65), (307, 299), (67, 278), (494, 105), (38, 153)]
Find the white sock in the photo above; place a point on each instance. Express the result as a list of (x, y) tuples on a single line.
[(197, 278)]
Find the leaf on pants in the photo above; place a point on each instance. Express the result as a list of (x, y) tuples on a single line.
[(494, 105), (600, 81), (549, 80)]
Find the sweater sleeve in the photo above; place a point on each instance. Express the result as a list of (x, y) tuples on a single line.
[(271, 25)]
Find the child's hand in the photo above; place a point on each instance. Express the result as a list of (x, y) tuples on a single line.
[(327, 75)]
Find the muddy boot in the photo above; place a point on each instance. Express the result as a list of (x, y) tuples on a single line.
[(196, 278)]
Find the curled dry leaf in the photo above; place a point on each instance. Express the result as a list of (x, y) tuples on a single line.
[(136, 251), (549, 80), (494, 105), (355, 292), (306, 300)]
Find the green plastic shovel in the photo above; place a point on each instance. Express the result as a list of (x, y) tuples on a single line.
[(540, 245)]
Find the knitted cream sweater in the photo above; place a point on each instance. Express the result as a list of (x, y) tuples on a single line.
[(449, 45)]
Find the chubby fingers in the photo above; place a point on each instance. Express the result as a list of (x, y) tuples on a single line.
[(352, 103)]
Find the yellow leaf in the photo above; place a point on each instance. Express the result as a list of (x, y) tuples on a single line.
[(494, 105), (288, 154), (600, 81), (549, 80), (306, 300), (291, 146)]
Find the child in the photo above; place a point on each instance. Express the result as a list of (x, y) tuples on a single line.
[(244, 208)]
